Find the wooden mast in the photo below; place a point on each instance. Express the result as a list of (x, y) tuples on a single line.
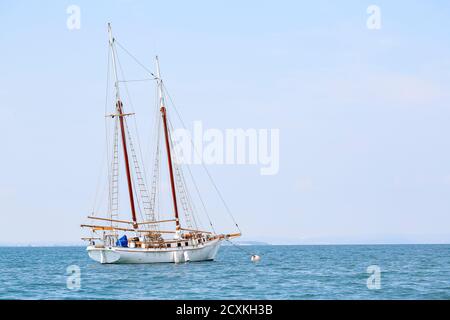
[(120, 114), (167, 140)]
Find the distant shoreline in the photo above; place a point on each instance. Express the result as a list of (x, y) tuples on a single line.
[(239, 244)]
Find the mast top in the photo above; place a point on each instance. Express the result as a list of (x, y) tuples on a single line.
[(111, 39), (113, 54), (158, 72), (159, 81)]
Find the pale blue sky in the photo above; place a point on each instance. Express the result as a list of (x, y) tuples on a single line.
[(363, 114)]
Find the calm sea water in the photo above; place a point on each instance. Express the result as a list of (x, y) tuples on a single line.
[(285, 272)]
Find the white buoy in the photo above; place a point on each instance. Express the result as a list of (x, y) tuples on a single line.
[(255, 258)]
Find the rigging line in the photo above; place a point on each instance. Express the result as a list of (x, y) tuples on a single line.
[(203, 165), (113, 182), (242, 249), (159, 198), (106, 120), (201, 200), (99, 190), (135, 59), (114, 177), (135, 122), (182, 180), (193, 208), (205, 210), (129, 136), (134, 174), (136, 128), (156, 156), (138, 80), (155, 180), (197, 191)]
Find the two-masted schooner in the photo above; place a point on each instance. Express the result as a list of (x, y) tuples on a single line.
[(148, 239)]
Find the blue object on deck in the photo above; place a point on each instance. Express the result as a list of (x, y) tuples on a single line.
[(122, 242)]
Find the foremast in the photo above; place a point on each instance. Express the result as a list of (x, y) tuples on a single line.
[(163, 111), (121, 115)]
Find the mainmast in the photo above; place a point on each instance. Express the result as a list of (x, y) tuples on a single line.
[(121, 115), (167, 140)]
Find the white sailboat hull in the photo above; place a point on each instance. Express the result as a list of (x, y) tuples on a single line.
[(203, 252)]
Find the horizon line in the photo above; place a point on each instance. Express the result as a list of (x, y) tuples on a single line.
[(241, 244)]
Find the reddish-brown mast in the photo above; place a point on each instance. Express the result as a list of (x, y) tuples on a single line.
[(167, 139), (127, 164), (119, 109), (169, 160)]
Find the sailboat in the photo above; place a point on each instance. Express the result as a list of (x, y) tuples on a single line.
[(142, 239)]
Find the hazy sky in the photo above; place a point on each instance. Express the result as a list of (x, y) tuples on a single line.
[(363, 114)]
